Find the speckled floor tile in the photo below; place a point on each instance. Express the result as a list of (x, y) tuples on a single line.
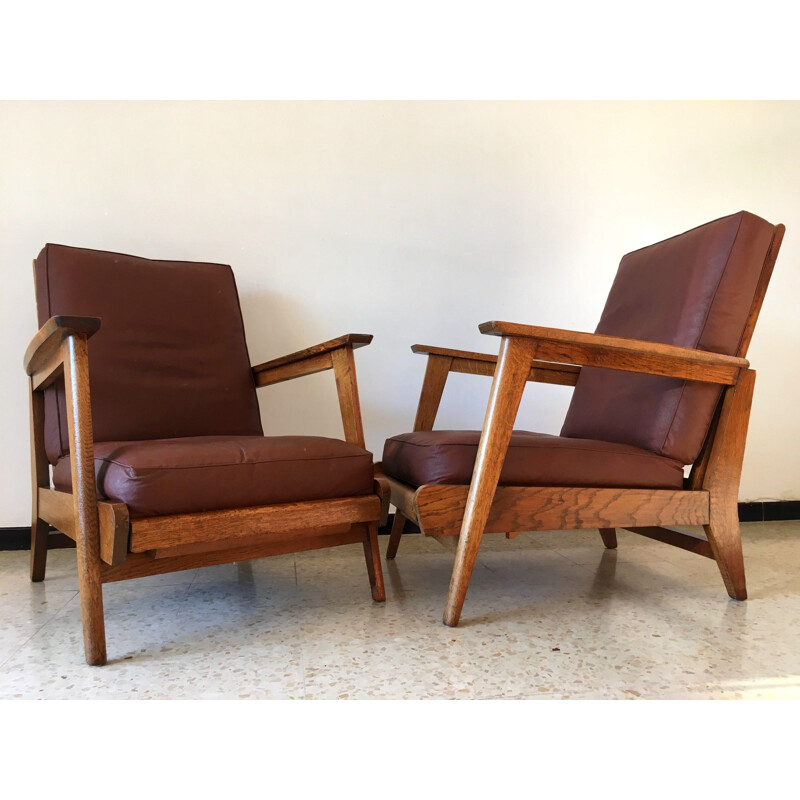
[(549, 615)]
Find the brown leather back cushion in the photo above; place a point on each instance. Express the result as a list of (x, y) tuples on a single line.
[(693, 290), (170, 357)]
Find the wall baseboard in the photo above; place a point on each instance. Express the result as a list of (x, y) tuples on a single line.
[(768, 511)]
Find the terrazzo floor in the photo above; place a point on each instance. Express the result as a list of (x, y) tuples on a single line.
[(547, 616)]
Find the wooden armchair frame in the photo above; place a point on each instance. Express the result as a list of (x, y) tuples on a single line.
[(112, 547), (549, 355)]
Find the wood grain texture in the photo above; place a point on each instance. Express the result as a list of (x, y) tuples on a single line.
[(292, 370), (404, 498), (113, 519), (344, 370), (268, 544), (40, 477), (508, 385), (372, 555), (629, 355), (440, 508), (436, 371), (153, 533), (721, 480), (348, 340), (84, 496), (52, 335), (139, 565), (484, 364)]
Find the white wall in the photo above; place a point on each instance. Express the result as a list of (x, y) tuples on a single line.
[(411, 221)]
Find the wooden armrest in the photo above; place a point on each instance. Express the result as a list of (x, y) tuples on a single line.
[(306, 362), (630, 355), (484, 364), (43, 356)]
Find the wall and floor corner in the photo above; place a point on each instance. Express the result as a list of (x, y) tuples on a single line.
[(408, 220)]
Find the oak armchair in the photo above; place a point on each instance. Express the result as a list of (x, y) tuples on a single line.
[(663, 383), (164, 465)]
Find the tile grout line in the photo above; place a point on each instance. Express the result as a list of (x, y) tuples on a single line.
[(38, 630)]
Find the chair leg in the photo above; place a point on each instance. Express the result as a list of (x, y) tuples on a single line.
[(725, 539), (398, 526), (39, 534), (513, 367), (609, 536), (91, 592), (84, 497), (373, 557)]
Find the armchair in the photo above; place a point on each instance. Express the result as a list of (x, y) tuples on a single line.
[(663, 383), (164, 466)]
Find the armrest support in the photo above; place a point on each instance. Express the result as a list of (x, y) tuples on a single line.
[(335, 354), (442, 361), (306, 362), (43, 359), (630, 355)]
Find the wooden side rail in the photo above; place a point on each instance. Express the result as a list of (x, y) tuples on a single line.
[(629, 355)]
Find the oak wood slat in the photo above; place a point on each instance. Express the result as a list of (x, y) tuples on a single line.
[(276, 543), (140, 565), (151, 533), (545, 508)]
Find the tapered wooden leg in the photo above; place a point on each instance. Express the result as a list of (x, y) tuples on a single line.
[(373, 558), (40, 476), (84, 498), (725, 539), (398, 526), (513, 367), (609, 536)]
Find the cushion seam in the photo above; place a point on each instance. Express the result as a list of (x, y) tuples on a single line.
[(217, 466)]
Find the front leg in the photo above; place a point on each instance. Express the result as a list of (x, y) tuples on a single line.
[(513, 366)]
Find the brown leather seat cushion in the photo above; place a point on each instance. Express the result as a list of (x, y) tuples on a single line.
[(533, 459), (204, 473)]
